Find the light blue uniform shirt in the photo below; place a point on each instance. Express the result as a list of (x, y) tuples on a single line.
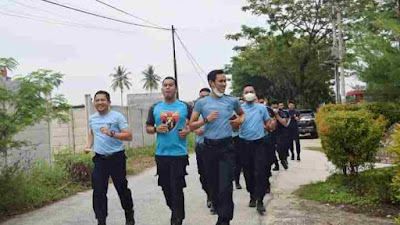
[(219, 128), (253, 125), (174, 115), (199, 138), (113, 121)]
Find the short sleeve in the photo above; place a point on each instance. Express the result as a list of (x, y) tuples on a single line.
[(236, 105), (150, 117), (198, 106), (122, 123), (265, 114)]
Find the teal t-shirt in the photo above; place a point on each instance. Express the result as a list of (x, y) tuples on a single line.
[(175, 116), (113, 121)]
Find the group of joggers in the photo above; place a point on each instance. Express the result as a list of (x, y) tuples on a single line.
[(232, 135)]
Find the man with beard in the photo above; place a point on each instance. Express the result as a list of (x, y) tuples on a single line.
[(169, 120), (108, 130), (217, 110), (253, 144)]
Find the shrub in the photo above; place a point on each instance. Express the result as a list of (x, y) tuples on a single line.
[(395, 149), (79, 166), (350, 138), (391, 111)]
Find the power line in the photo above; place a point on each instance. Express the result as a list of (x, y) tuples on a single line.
[(59, 22), (101, 16), (192, 60), (129, 14)]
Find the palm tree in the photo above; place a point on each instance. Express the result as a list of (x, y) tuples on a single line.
[(121, 80), (7, 64), (150, 79)]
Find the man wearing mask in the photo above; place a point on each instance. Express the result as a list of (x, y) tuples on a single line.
[(199, 149), (169, 120), (253, 146), (217, 110), (294, 130)]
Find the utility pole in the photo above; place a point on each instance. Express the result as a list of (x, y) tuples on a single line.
[(341, 53), (335, 55), (175, 70)]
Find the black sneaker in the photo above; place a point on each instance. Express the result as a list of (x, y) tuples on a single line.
[(129, 216), (292, 157), (298, 158), (276, 168), (285, 164), (101, 222), (176, 221), (260, 207), (268, 190), (252, 203)]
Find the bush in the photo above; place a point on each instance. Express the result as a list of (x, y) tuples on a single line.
[(370, 187), (21, 191), (395, 149), (350, 138), (79, 166), (391, 111)]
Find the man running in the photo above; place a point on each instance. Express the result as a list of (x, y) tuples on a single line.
[(217, 111), (169, 119)]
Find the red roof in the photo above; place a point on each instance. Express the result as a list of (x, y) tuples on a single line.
[(352, 93)]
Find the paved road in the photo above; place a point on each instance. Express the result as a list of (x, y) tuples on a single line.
[(151, 209)]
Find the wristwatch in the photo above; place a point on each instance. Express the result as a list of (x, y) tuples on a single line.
[(205, 120), (112, 133)]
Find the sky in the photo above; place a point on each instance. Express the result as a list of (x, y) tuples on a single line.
[(87, 56)]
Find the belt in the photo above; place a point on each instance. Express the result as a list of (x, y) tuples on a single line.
[(258, 141), (115, 154), (218, 142)]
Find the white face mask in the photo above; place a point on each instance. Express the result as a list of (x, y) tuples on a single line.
[(249, 97), (217, 93)]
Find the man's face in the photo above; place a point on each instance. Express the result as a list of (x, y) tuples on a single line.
[(101, 103), (274, 106), (219, 83), (261, 101), (291, 106), (204, 94), (168, 89), (281, 106)]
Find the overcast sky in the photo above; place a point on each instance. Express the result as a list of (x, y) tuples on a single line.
[(88, 55)]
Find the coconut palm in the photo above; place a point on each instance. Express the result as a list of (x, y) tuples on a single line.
[(7, 64), (150, 79), (121, 80)]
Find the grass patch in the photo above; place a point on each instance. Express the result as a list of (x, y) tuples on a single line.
[(369, 190), (318, 149)]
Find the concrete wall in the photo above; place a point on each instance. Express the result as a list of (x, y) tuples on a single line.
[(48, 139)]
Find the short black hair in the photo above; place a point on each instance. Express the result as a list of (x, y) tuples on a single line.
[(101, 92), (205, 89), (281, 101), (248, 85), (213, 75), (171, 78), (274, 102), (261, 97), (291, 101)]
